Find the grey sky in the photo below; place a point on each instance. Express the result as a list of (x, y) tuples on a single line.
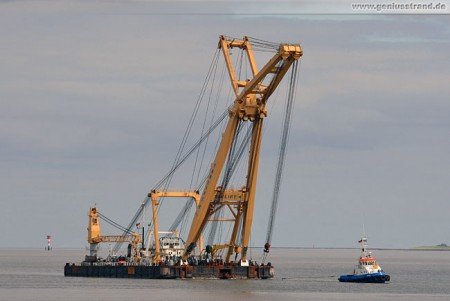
[(95, 98)]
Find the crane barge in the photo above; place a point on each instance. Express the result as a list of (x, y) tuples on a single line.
[(166, 254)]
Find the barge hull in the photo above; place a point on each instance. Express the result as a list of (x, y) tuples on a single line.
[(169, 272)]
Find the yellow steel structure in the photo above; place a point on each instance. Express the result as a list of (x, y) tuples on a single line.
[(95, 237), (249, 105), (154, 195)]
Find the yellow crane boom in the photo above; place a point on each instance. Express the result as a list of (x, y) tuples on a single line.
[(249, 105)]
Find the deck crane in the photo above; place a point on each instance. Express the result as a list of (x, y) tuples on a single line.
[(95, 237), (251, 97)]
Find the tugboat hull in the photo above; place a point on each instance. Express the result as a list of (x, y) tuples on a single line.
[(380, 277)]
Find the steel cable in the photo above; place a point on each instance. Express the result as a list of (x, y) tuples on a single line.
[(282, 151)]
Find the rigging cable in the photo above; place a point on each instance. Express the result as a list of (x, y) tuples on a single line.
[(282, 153), (113, 223), (196, 108), (174, 168), (187, 207), (188, 204), (178, 159)]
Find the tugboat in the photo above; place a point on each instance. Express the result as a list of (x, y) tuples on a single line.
[(367, 270)]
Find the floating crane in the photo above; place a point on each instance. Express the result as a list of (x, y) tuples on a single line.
[(249, 109)]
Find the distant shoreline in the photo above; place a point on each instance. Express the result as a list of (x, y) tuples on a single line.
[(433, 248)]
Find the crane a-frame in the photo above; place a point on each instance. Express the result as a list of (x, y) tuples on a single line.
[(249, 106)]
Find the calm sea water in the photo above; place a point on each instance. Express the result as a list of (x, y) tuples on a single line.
[(301, 274)]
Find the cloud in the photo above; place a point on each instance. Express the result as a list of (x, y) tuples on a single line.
[(95, 99)]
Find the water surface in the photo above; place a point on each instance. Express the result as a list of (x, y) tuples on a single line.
[(301, 274)]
